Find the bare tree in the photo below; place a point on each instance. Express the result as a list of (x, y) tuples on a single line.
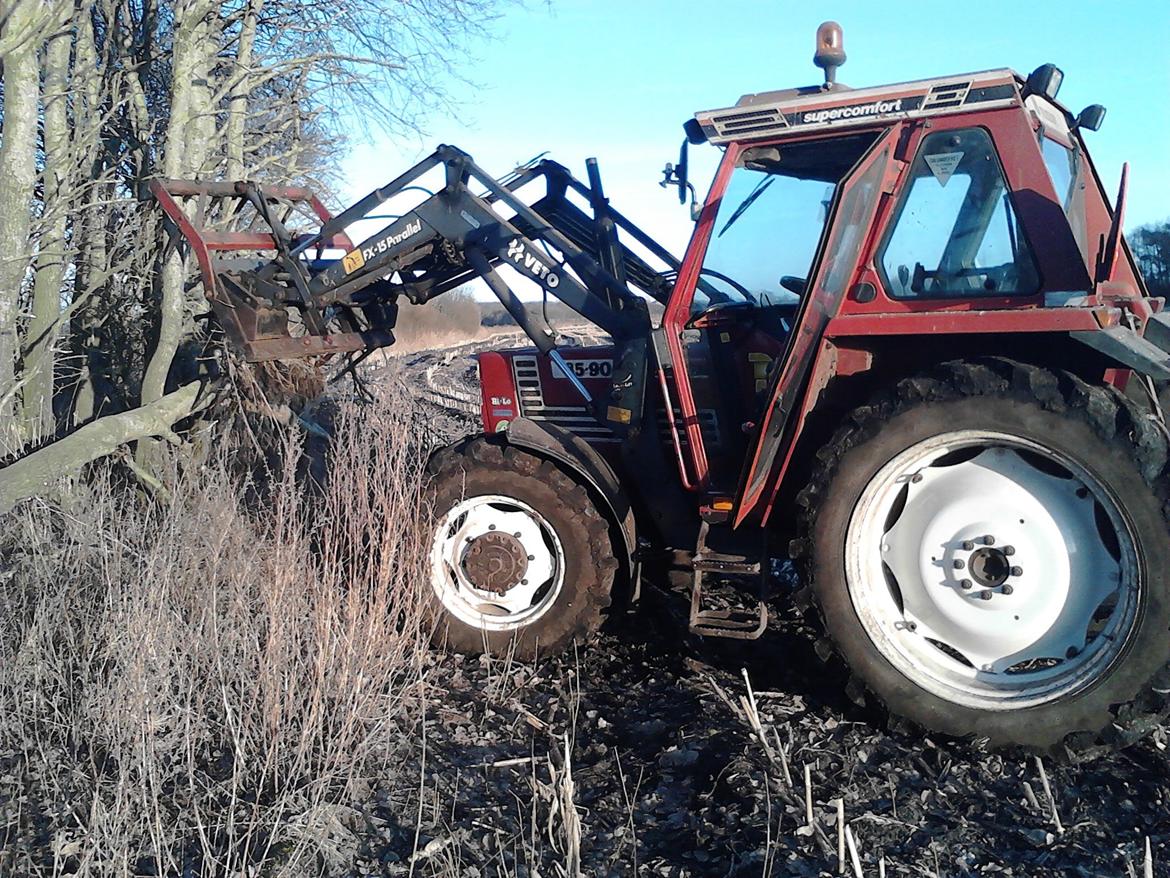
[(45, 312), (96, 317), (1151, 247)]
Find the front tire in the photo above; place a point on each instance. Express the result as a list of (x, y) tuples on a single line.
[(991, 554), (520, 556)]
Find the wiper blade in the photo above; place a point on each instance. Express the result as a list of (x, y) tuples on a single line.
[(747, 202)]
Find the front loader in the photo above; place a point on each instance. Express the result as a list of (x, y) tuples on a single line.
[(907, 347)]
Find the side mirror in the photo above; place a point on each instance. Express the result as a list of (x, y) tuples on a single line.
[(676, 175), (680, 173), (1091, 117), (794, 284)]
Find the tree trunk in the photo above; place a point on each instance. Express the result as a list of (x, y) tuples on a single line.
[(188, 60), (30, 475), (17, 179), (42, 331), (90, 227)]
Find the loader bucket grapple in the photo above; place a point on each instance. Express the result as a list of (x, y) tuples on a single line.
[(251, 296)]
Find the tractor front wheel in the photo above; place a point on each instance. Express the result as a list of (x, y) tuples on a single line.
[(991, 554), (520, 556)]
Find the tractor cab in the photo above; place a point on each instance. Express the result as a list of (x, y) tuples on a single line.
[(843, 213)]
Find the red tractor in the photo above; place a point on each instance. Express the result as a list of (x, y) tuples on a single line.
[(896, 350)]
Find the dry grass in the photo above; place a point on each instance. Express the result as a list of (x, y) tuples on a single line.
[(193, 687)]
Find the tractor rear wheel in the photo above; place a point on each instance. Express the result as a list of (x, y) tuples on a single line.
[(520, 556), (990, 555)]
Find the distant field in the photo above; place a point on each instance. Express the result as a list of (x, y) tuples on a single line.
[(457, 318)]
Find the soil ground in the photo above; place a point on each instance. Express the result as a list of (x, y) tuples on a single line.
[(669, 778)]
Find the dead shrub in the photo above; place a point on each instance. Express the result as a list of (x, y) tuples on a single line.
[(192, 687)]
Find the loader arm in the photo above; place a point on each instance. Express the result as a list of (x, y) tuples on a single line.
[(287, 300)]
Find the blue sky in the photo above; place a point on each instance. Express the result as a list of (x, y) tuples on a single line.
[(616, 80)]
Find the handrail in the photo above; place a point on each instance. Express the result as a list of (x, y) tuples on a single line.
[(682, 467)]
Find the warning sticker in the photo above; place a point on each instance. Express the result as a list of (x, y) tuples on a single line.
[(943, 164), (618, 415), (352, 261)]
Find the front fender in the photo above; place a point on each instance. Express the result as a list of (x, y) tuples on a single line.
[(573, 452)]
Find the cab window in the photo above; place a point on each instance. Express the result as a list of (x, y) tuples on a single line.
[(956, 233)]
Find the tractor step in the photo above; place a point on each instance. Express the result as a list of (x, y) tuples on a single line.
[(736, 623), (714, 562), (740, 623)]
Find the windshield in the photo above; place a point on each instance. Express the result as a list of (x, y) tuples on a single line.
[(770, 221)]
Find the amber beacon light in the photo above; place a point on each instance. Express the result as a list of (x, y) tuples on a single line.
[(830, 50)]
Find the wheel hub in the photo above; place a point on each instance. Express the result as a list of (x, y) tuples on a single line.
[(495, 562), (990, 567)]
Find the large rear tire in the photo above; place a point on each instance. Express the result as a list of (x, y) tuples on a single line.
[(990, 555), (520, 556)]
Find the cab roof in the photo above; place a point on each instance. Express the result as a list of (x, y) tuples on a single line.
[(798, 110)]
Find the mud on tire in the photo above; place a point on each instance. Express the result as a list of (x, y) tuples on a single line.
[(501, 519), (1055, 428)]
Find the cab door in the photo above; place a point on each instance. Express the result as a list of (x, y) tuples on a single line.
[(850, 236), (729, 319)]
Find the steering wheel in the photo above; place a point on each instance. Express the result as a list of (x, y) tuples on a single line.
[(717, 308), (727, 304), (734, 284)]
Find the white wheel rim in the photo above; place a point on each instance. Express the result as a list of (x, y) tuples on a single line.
[(526, 599), (965, 514)]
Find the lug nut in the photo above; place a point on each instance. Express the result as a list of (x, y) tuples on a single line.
[(1072, 652), (959, 565), (968, 545), (1009, 550), (966, 583), (989, 540), (986, 595), (1017, 571), (1007, 589)]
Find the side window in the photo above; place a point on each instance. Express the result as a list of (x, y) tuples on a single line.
[(1061, 163), (1064, 167), (956, 233)]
